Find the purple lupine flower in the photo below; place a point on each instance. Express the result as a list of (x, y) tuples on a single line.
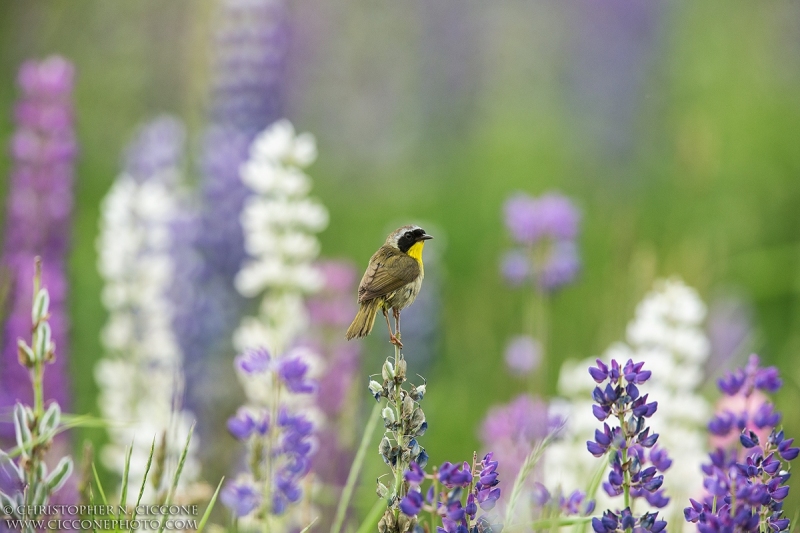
[(246, 76), (523, 354), (561, 267), (43, 151), (292, 370), (746, 477), (290, 436), (635, 466), (456, 517), (254, 361), (546, 227), (516, 267), (551, 216), (451, 475), (241, 497), (244, 424)]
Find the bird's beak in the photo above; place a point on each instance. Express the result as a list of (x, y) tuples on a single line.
[(425, 237)]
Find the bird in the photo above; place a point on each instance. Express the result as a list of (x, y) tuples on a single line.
[(392, 281)]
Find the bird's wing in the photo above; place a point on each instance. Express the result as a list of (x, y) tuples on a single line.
[(389, 269)]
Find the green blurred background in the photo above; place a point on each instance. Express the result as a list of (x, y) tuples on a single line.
[(674, 125)]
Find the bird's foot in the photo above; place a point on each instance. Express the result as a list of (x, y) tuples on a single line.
[(394, 339)]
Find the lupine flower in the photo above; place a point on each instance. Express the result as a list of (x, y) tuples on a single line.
[(667, 336), (746, 477), (513, 430), (522, 354), (38, 212), (241, 496), (249, 39), (140, 378), (545, 228), (282, 446), (280, 224), (628, 443), (445, 497)]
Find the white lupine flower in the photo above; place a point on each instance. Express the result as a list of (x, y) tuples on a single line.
[(280, 224), (140, 377), (667, 335)]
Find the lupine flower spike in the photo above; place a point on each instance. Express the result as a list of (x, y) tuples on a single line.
[(746, 478), (629, 446)]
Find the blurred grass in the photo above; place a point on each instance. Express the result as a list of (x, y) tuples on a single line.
[(708, 189)]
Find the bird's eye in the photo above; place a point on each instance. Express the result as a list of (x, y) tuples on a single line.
[(408, 235)]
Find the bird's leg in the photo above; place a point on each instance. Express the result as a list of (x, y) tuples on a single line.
[(396, 314), (394, 340)]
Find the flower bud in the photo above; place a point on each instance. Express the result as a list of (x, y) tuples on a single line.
[(401, 370), (388, 415), (417, 393), (387, 372), (382, 491), (376, 389)]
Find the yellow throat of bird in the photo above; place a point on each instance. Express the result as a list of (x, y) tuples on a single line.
[(416, 252)]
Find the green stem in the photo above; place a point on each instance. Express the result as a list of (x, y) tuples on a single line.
[(273, 424), (540, 331), (355, 468)]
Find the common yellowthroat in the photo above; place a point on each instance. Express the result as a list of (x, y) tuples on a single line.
[(392, 281)]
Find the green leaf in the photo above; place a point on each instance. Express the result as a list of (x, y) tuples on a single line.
[(123, 499), (210, 506), (308, 527), (144, 479), (99, 485), (175, 478), (355, 468)]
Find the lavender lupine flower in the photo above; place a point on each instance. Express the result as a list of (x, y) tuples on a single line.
[(522, 354), (545, 228), (280, 438), (446, 495), (140, 377), (629, 445), (39, 205), (250, 39), (746, 477), (513, 430)]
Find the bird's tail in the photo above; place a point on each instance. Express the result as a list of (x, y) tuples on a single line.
[(364, 320)]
